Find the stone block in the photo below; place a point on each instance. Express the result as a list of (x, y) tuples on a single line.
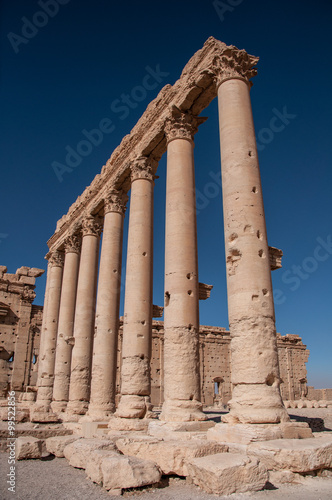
[(173, 430), (93, 464), (296, 455), (170, 456), (295, 430), (244, 433), (57, 444), (78, 452), (43, 417), (128, 424), (278, 477), (227, 473), (27, 447), (121, 472), (35, 272)]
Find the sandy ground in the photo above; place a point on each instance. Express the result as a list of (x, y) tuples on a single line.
[(53, 478)]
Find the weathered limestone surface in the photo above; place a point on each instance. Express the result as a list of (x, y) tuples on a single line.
[(227, 473), (296, 455), (57, 444), (49, 333), (20, 325), (171, 456), (131, 472), (255, 371), (181, 339), (66, 323), (28, 447), (79, 391), (104, 362), (78, 452), (93, 464), (137, 326)]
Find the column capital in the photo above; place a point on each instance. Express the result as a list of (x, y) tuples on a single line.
[(91, 226), (234, 64), (182, 125), (73, 244), (55, 258), (143, 168), (115, 201)]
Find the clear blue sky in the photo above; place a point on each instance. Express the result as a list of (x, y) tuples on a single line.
[(68, 73)]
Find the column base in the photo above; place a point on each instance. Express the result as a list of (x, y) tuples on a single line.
[(249, 433), (59, 406), (78, 408), (95, 414), (256, 404), (134, 406), (129, 424), (175, 410)]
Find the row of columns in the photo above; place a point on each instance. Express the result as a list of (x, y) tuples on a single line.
[(78, 354)]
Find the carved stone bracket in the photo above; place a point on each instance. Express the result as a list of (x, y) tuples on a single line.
[(182, 125), (204, 291), (91, 226), (275, 255), (56, 258), (143, 168), (157, 311), (28, 295), (73, 244), (234, 63), (115, 202)]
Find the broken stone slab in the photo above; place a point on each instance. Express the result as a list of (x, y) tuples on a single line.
[(244, 433), (129, 424), (227, 473), (93, 464), (78, 452), (27, 447), (248, 433), (57, 444), (170, 456), (296, 455), (122, 472), (43, 417), (178, 430), (279, 477)]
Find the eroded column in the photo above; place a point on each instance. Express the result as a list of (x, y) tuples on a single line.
[(181, 312), (104, 361), (66, 323), (137, 326), (49, 332), (79, 390), (254, 354)]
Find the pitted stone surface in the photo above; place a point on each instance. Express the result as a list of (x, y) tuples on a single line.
[(228, 473), (78, 452)]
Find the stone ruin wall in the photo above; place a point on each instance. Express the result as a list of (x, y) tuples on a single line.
[(20, 324)]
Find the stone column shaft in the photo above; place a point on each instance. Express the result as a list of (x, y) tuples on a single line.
[(66, 324), (79, 390), (49, 334), (104, 363), (137, 326), (255, 370), (181, 312)]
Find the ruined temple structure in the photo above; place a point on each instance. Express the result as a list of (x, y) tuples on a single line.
[(101, 376), (78, 351), (20, 325)]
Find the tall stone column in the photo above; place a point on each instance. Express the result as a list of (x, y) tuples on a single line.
[(181, 311), (254, 353), (104, 361), (66, 323), (137, 325), (79, 389), (49, 332)]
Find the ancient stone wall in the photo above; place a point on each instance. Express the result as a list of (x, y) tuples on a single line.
[(20, 324)]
